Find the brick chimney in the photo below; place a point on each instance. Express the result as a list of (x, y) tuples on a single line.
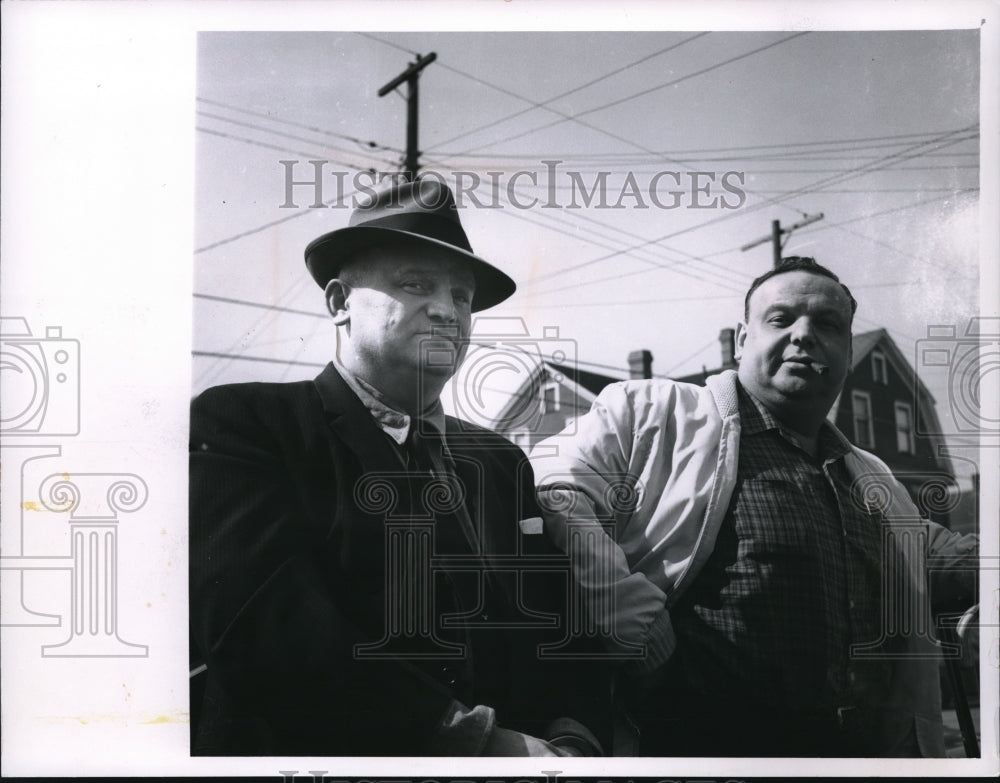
[(640, 364), (727, 340)]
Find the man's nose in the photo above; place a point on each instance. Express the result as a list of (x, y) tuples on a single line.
[(803, 332), (442, 308)]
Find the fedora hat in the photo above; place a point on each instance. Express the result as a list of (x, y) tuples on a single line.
[(421, 212)]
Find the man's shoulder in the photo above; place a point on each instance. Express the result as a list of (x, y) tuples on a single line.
[(252, 410), (254, 393), (461, 430), (462, 434), (658, 395)]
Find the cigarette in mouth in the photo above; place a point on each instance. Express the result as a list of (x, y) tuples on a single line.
[(821, 369)]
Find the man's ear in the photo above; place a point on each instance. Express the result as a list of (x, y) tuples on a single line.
[(336, 293), (741, 337)]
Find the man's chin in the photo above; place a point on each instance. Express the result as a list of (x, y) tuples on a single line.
[(801, 385), (443, 356), (439, 368)]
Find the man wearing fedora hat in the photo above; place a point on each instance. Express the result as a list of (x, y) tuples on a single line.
[(362, 577)]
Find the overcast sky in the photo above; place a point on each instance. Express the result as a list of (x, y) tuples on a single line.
[(878, 131)]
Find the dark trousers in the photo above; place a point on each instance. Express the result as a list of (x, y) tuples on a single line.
[(734, 732)]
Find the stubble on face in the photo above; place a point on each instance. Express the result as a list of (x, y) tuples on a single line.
[(795, 348), (409, 320)]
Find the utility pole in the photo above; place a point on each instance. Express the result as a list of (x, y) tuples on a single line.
[(412, 78), (775, 236)]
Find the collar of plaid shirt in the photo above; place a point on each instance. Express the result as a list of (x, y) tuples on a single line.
[(830, 443), (392, 422)]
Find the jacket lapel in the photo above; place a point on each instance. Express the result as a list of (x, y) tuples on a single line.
[(350, 419)]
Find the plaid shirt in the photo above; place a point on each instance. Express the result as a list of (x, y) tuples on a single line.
[(793, 580)]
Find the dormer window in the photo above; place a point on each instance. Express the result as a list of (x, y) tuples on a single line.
[(550, 397), (880, 368)]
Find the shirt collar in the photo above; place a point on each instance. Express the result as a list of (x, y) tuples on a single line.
[(756, 418), (392, 422)]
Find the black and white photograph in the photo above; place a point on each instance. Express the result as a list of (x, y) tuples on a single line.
[(402, 390)]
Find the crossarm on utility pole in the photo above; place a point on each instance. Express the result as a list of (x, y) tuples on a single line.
[(412, 77), (776, 233)]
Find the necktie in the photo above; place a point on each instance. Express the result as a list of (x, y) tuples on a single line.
[(445, 495)]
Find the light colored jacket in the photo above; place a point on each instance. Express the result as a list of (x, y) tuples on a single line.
[(636, 491)]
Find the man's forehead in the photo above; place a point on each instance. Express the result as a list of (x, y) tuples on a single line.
[(399, 261), (791, 287)]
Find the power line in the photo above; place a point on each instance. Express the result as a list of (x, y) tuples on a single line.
[(244, 358), (262, 305), (544, 104), (616, 137), (264, 144), (887, 160), (629, 141), (269, 224), (842, 225), (882, 212), (313, 128), (576, 117), (844, 191), (389, 43), (858, 172), (709, 344), (630, 302), (903, 283), (833, 153), (654, 168), (254, 126), (578, 362), (575, 235), (620, 276), (260, 324), (867, 216), (702, 298), (631, 235)]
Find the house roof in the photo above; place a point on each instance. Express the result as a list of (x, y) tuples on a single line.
[(591, 381), (491, 376), (585, 384), (866, 342), (699, 377), (862, 345)]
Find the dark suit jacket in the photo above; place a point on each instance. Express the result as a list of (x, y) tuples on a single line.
[(293, 488)]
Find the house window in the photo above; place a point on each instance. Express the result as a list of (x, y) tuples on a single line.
[(864, 434), (550, 397), (880, 370), (904, 428)]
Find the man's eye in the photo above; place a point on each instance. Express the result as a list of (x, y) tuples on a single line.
[(777, 320)]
